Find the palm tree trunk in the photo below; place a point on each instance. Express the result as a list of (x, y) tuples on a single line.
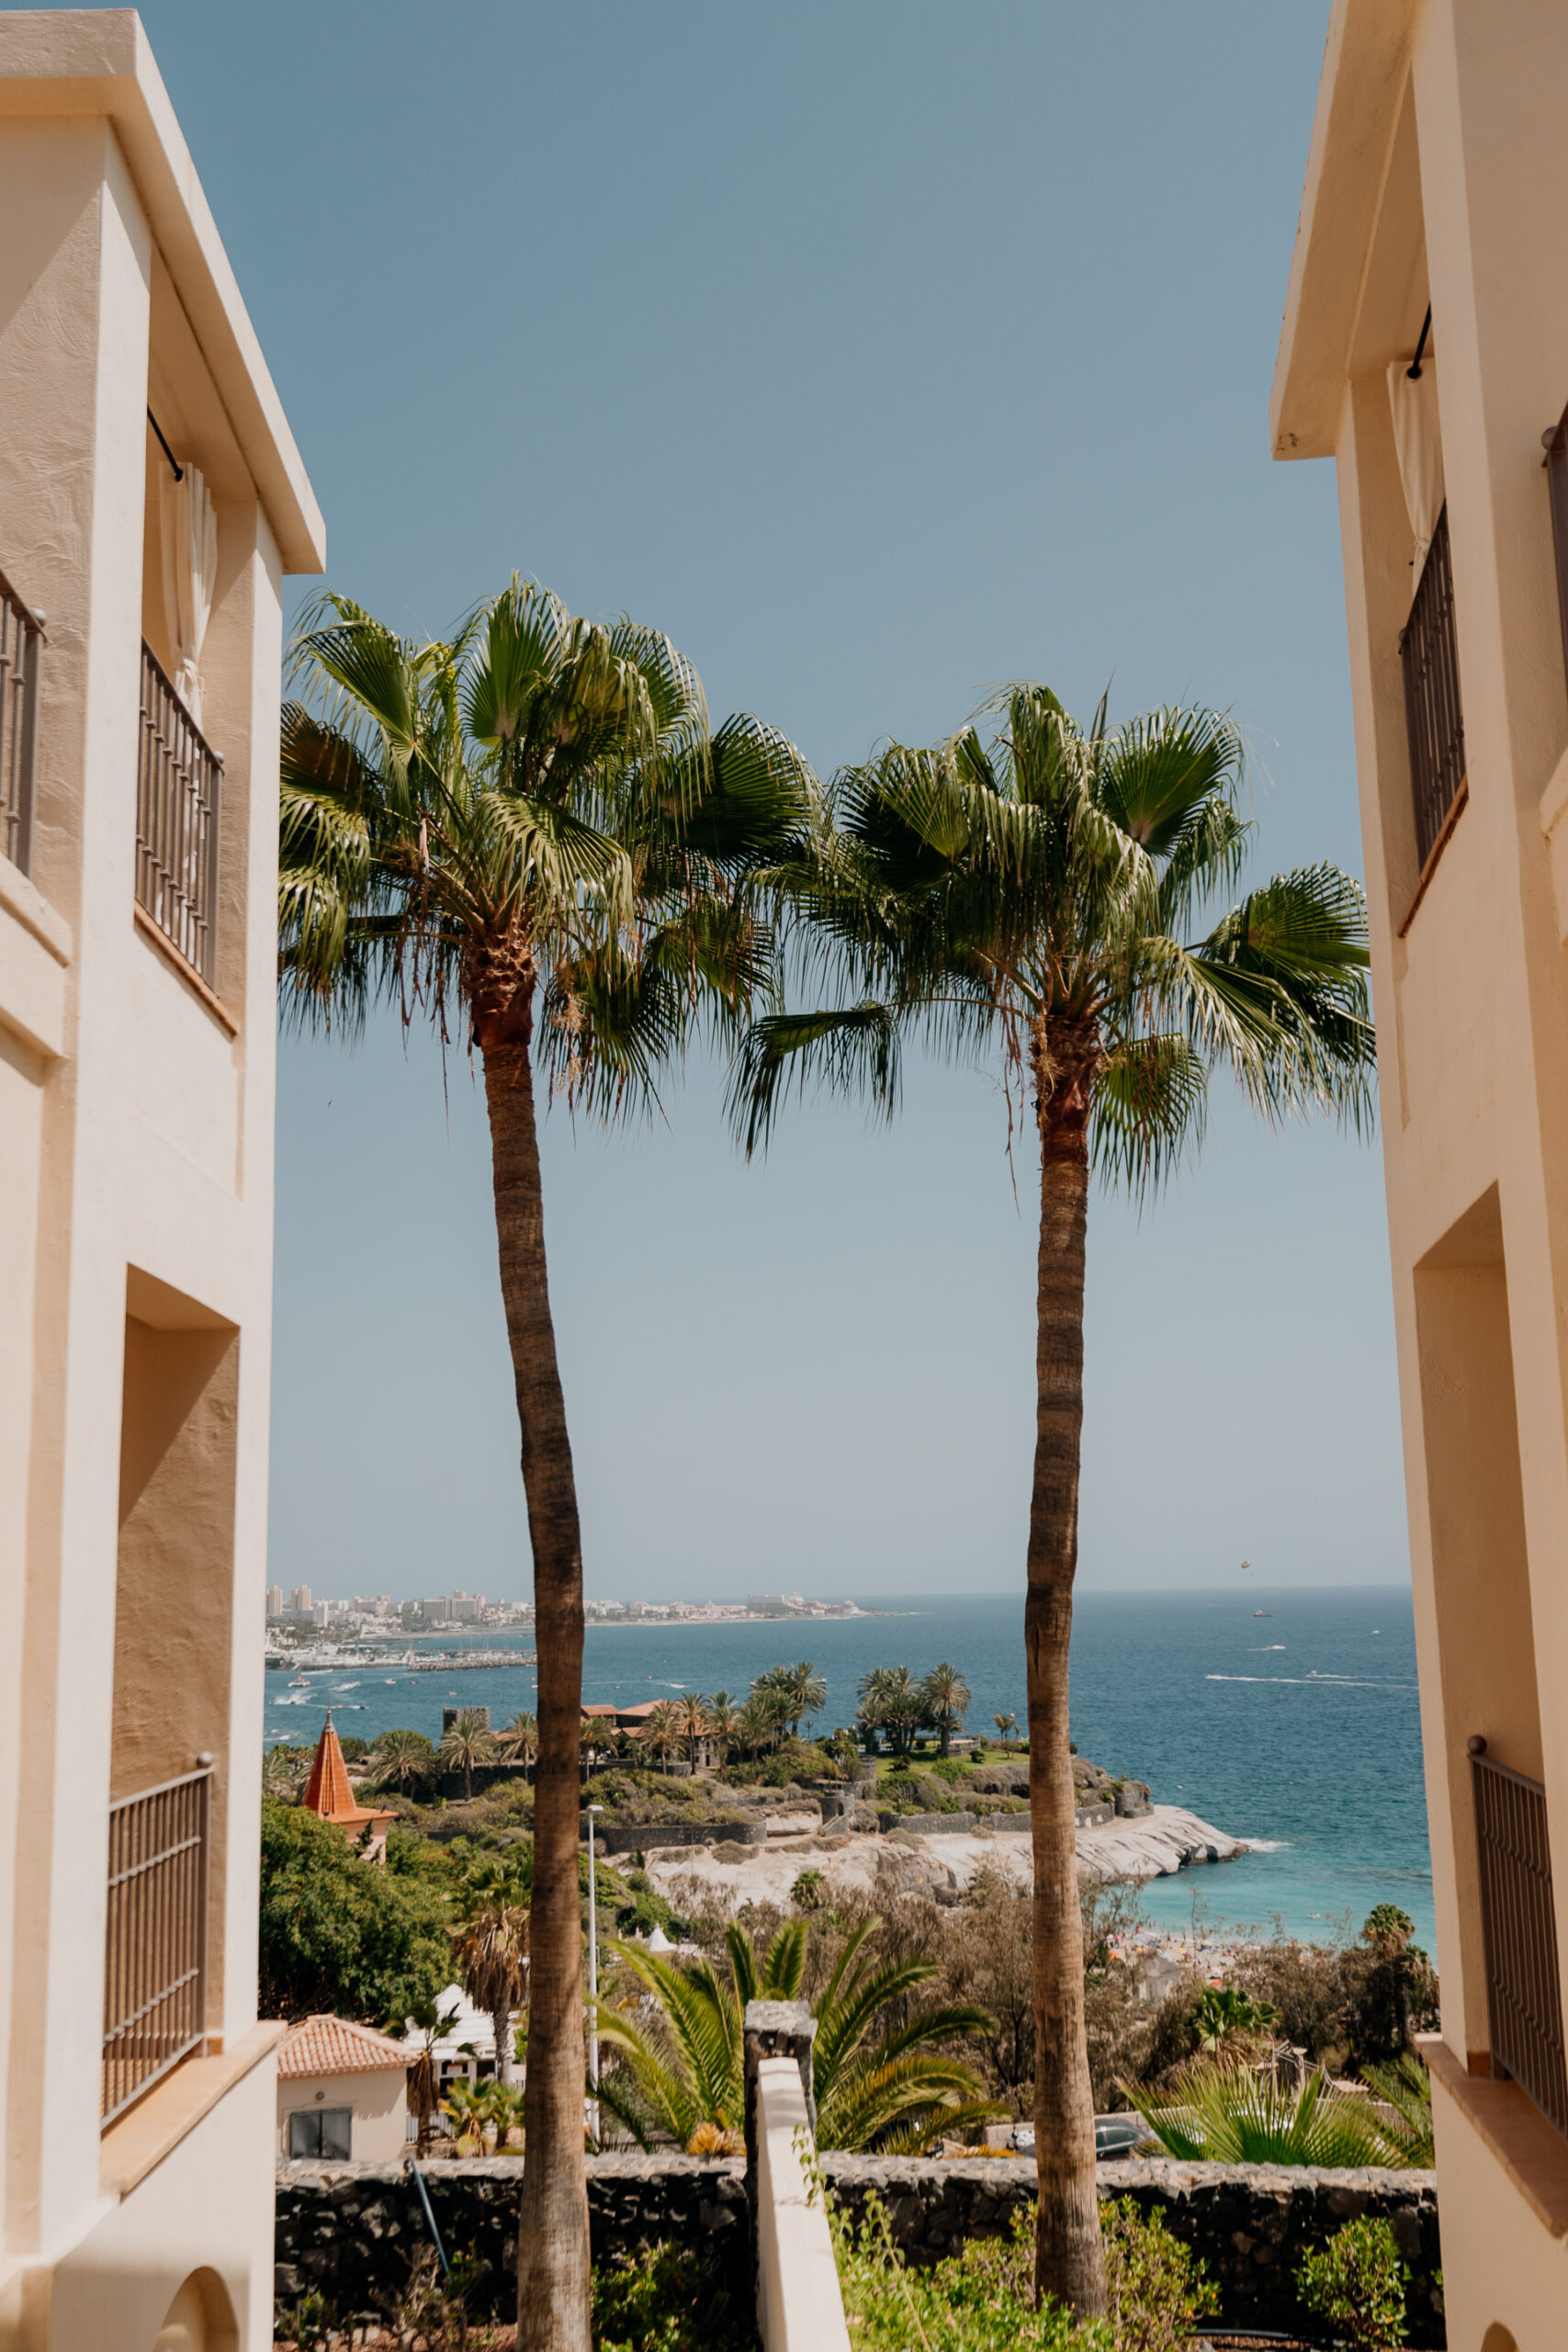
[(500, 2021), (552, 2257), (1069, 2260)]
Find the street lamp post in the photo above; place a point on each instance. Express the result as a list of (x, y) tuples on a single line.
[(592, 1979)]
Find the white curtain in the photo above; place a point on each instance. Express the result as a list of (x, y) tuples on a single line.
[(190, 570), (1418, 439)]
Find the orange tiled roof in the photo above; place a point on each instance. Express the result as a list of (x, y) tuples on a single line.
[(328, 1790), (333, 2046)]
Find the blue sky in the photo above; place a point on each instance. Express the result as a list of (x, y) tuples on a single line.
[(878, 352)]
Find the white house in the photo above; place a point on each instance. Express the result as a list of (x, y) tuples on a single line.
[(342, 2093)]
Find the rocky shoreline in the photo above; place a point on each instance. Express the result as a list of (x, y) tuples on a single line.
[(920, 1853)]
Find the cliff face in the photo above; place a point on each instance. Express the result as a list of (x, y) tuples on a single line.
[(1101, 1797)]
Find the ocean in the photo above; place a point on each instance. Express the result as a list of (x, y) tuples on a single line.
[(1298, 1728)]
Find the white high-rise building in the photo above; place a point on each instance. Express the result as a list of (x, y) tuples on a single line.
[(299, 1601), (275, 1601)]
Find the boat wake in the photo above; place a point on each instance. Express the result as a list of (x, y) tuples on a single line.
[(1334, 1681)]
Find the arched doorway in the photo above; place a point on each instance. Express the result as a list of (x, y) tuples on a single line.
[(200, 2318)]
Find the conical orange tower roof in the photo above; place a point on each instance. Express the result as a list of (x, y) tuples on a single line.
[(328, 1792)]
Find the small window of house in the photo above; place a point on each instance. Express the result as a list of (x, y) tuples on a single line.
[(321, 2133)]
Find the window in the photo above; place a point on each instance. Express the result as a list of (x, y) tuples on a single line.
[(1556, 443), (1435, 723), (323, 2132)]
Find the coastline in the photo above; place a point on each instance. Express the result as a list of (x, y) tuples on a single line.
[(1152, 1844)]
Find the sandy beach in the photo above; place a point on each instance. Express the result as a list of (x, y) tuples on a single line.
[(1152, 1844)]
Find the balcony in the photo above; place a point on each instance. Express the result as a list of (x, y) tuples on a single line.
[(155, 1945), (1434, 718), (177, 784), (1524, 1994), (21, 640)]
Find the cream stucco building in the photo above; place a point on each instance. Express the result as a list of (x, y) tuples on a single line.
[(342, 2093), (150, 502), (1425, 350)]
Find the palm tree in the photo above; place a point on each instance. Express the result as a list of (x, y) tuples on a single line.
[(946, 1696), (691, 1708), (757, 1724), (1405, 2087), (467, 1741), (1005, 1726), (520, 1740), (873, 1690), (896, 1696), (1034, 899), (892, 2091), (490, 1948), (402, 1758), (283, 1771), (662, 1731), (433, 2024), (1225, 2113), (802, 1688), (723, 1715), (531, 824), (1226, 2015)]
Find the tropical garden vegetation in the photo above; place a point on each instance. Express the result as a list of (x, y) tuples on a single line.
[(982, 2299), (530, 829), (1047, 901), (880, 2081)]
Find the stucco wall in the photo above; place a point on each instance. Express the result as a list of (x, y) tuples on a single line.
[(136, 1129), (204, 2208), (1436, 188), (379, 2102)]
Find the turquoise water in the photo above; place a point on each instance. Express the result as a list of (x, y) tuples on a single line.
[(1299, 1729)]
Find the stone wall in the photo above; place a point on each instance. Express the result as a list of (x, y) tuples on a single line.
[(351, 2231), (623, 1837), (1251, 2224)]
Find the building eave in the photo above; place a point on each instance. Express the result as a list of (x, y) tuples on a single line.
[(1365, 60), (77, 64)]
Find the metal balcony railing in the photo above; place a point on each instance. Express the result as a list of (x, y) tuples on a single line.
[(21, 640), (1432, 713), (1524, 1993), (178, 777), (155, 1949)]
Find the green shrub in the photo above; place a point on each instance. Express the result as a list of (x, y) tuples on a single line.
[(979, 2300), (1356, 2283), (982, 2299), (1157, 2286), (645, 1911), (671, 2299)]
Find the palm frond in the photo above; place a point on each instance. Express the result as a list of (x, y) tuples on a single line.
[(1150, 1107), (844, 1051), (1226, 2114)]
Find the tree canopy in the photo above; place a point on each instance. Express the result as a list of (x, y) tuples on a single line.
[(338, 1935)]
